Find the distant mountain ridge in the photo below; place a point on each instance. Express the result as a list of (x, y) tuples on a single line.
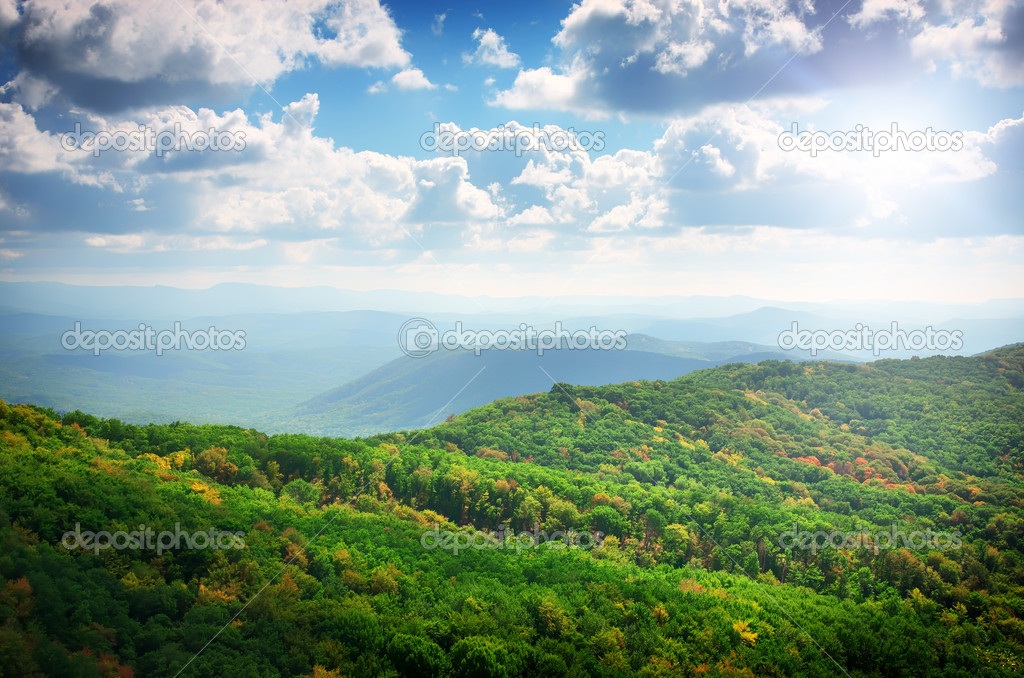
[(416, 393), (411, 393), (238, 298), (309, 345)]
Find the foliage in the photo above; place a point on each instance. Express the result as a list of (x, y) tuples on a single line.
[(692, 483)]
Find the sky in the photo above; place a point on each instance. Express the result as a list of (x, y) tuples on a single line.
[(661, 147)]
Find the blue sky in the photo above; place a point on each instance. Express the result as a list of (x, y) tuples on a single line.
[(688, 191)]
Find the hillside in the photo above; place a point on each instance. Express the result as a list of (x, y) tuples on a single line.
[(700, 489)]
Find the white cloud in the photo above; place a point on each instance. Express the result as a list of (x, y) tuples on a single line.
[(8, 14), (656, 42), (732, 147), (412, 78), (611, 50), (713, 158), (481, 239), (768, 23), (534, 214), (170, 144), (874, 11), (646, 26), (980, 40), (610, 193), (295, 196), (133, 243), (437, 28), (735, 148), (285, 178), (544, 89), (491, 50), (117, 243), (680, 57), (303, 183), (985, 43), (148, 52), (592, 23), (638, 212), (23, 147)]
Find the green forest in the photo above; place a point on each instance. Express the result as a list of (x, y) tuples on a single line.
[(652, 528)]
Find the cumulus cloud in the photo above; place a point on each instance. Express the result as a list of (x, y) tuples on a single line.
[(284, 178), (290, 185), (122, 54), (302, 183), (872, 11), (412, 78), (534, 214), (8, 15), (491, 50), (734, 150), (638, 212), (546, 89), (23, 147), (680, 57), (614, 50), (677, 56), (607, 194), (986, 44), (1000, 147), (169, 140)]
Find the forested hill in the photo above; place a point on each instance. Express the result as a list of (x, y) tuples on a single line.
[(963, 413), (705, 491)]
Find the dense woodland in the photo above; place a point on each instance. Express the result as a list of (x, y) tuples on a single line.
[(691, 482)]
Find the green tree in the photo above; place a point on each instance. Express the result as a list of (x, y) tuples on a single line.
[(480, 657), (415, 656)]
